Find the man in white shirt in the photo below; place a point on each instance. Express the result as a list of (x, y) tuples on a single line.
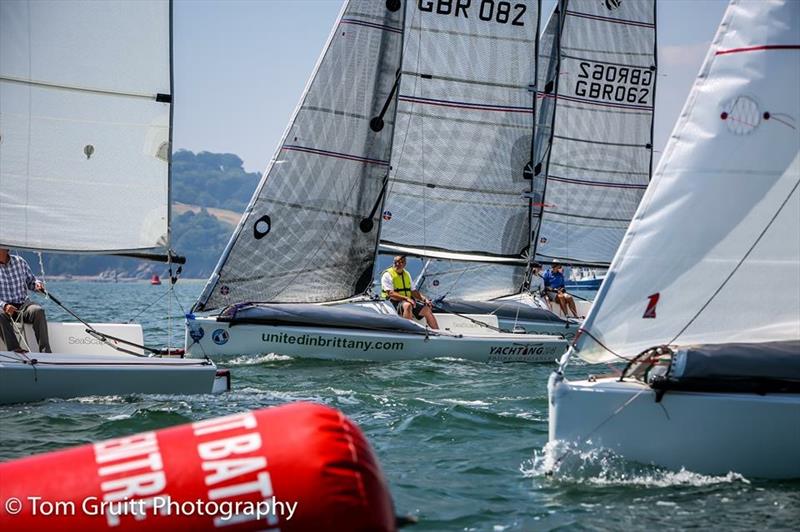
[(396, 287)]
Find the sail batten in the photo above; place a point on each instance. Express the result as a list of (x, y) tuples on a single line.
[(723, 211)]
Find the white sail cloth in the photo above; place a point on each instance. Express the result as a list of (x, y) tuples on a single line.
[(85, 143), (713, 253)]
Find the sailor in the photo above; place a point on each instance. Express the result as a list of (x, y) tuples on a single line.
[(410, 303), (555, 289), (16, 278)]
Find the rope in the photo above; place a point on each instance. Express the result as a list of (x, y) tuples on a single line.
[(101, 336)]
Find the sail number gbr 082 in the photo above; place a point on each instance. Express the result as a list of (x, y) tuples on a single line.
[(489, 10)]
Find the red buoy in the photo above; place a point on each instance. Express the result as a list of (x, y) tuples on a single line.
[(155, 279), (294, 467)]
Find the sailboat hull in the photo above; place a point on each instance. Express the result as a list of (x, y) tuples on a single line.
[(711, 433), (37, 376), (219, 338)]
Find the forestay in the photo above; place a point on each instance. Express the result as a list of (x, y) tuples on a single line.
[(713, 255), (310, 231), (597, 91), (464, 133), (85, 114)]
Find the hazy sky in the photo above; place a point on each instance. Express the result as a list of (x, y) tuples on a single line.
[(241, 66)]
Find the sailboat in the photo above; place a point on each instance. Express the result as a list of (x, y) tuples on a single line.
[(710, 384), (84, 168), (592, 156), (411, 138)]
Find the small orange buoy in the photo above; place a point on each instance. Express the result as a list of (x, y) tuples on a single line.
[(289, 468), (155, 279)]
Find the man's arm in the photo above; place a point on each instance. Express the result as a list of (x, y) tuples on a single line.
[(416, 294), (396, 296), (30, 280)]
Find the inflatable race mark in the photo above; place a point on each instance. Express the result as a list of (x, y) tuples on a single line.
[(289, 468)]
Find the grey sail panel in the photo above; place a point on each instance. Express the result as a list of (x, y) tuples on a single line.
[(470, 280), (465, 122), (599, 160), (306, 235)]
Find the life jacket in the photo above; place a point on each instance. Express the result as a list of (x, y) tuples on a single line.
[(400, 283)]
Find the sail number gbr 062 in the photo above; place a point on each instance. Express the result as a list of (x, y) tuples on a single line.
[(614, 83), (489, 10)]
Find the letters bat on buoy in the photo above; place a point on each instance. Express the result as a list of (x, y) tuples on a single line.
[(295, 467)]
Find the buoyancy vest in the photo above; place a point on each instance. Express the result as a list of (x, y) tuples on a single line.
[(400, 283)]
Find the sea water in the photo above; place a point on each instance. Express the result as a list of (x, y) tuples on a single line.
[(461, 443)]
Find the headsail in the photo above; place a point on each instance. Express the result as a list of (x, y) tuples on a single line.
[(597, 85), (310, 231), (85, 125), (464, 133), (713, 254), (470, 280)]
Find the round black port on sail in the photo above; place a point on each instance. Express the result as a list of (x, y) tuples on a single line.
[(262, 226)]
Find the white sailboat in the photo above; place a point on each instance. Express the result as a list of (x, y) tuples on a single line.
[(702, 300), (85, 130), (413, 133), (592, 155)]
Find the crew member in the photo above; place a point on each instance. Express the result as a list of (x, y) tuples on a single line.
[(16, 278), (555, 289), (410, 303)]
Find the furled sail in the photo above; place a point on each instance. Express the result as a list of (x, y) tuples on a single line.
[(464, 132), (85, 99), (597, 79), (310, 231), (713, 254)]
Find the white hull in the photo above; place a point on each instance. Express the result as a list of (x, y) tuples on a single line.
[(82, 365), (37, 376), (710, 433), (218, 339)]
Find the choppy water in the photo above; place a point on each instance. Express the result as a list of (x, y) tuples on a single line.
[(460, 442)]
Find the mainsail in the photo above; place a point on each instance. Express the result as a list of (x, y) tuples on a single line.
[(597, 79), (310, 231), (464, 132), (592, 155), (84, 135), (713, 254)]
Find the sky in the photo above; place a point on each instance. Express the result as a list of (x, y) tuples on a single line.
[(240, 67)]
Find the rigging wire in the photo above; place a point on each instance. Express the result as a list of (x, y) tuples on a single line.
[(739, 264)]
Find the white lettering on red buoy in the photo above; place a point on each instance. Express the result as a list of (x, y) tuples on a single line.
[(250, 471), (134, 454)]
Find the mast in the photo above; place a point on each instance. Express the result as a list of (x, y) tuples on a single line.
[(544, 165)]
